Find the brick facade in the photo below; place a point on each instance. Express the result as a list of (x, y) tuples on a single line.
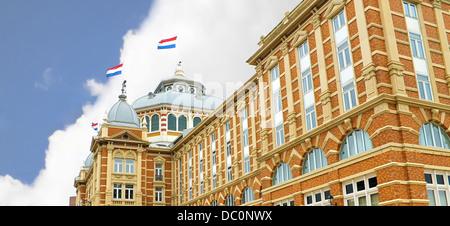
[(388, 108)]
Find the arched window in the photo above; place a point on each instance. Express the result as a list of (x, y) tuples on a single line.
[(356, 142), (182, 123), (229, 201), (434, 136), (147, 120), (282, 173), (155, 122), (197, 121), (248, 195), (215, 203), (315, 159), (171, 122)]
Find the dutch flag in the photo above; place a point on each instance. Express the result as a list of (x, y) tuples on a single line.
[(167, 43), (95, 126), (117, 70)]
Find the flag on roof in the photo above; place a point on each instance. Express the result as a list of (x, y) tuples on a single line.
[(168, 43), (117, 70), (95, 126)]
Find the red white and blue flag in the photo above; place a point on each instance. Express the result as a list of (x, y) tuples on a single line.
[(95, 126), (117, 70), (168, 43)]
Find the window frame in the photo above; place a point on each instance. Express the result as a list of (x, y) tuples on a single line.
[(352, 139), (424, 138), (357, 193), (314, 159), (282, 173)]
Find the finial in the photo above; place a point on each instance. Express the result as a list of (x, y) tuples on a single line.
[(179, 71), (123, 96)]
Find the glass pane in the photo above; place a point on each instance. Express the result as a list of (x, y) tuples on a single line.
[(413, 47), (428, 135), (362, 201), (413, 11), (436, 136), (420, 48), (359, 141), (406, 8), (353, 96), (350, 202), (421, 137), (348, 188), (336, 23), (439, 179), (372, 182), (346, 101), (430, 194), (374, 199), (312, 165), (309, 199), (341, 60), (421, 90), (442, 198), (444, 137), (318, 197), (367, 142), (428, 91), (347, 56), (360, 185), (351, 144), (428, 178)]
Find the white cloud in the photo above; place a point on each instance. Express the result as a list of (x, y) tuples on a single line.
[(215, 38), (47, 80)]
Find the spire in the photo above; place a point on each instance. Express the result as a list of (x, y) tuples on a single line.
[(123, 96), (179, 71)]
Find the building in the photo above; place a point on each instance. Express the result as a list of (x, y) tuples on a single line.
[(349, 105)]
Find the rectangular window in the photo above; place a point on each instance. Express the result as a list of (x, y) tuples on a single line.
[(229, 174), (310, 116), (129, 166), (129, 191), (417, 45), (158, 172), (339, 21), (349, 96), (158, 194), (307, 81), (438, 187), (279, 131), (361, 192), (303, 50), (117, 191), (424, 87), (118, 165), (277, 101), (410, 10), (344, 56), (274, 73)]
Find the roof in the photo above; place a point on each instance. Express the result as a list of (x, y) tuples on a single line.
[(179, 99)]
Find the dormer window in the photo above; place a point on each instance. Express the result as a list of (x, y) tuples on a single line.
[(180, 89), (192, 90), (168, 88)]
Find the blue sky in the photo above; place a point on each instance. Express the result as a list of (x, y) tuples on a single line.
[(53, 60), (48, 49)]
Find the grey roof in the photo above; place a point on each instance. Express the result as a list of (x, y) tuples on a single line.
[(89, 160), (122, 114), (175, 98)]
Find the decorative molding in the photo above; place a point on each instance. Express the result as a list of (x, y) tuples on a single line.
[(271, 62), (299, 38), (335, 7)]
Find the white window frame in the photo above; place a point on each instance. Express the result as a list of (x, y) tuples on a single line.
[(344, 55), (417, 47), (307, 83), (438, 192), (318, 197), (129, 192), (282, 174), (248, 195), (286, 202), (315, 159), (118, 165), (359, 140), (117, 191), (339, 21), (279, 132), (354, 197), (129, 166), (425, 90), (310, 117), (428, 133), (159, 194), (349, 96), (410, 10)]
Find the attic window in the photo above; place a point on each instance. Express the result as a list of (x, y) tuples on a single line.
[(125, 137), (180, 89), (168, 88), (192, 89)]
